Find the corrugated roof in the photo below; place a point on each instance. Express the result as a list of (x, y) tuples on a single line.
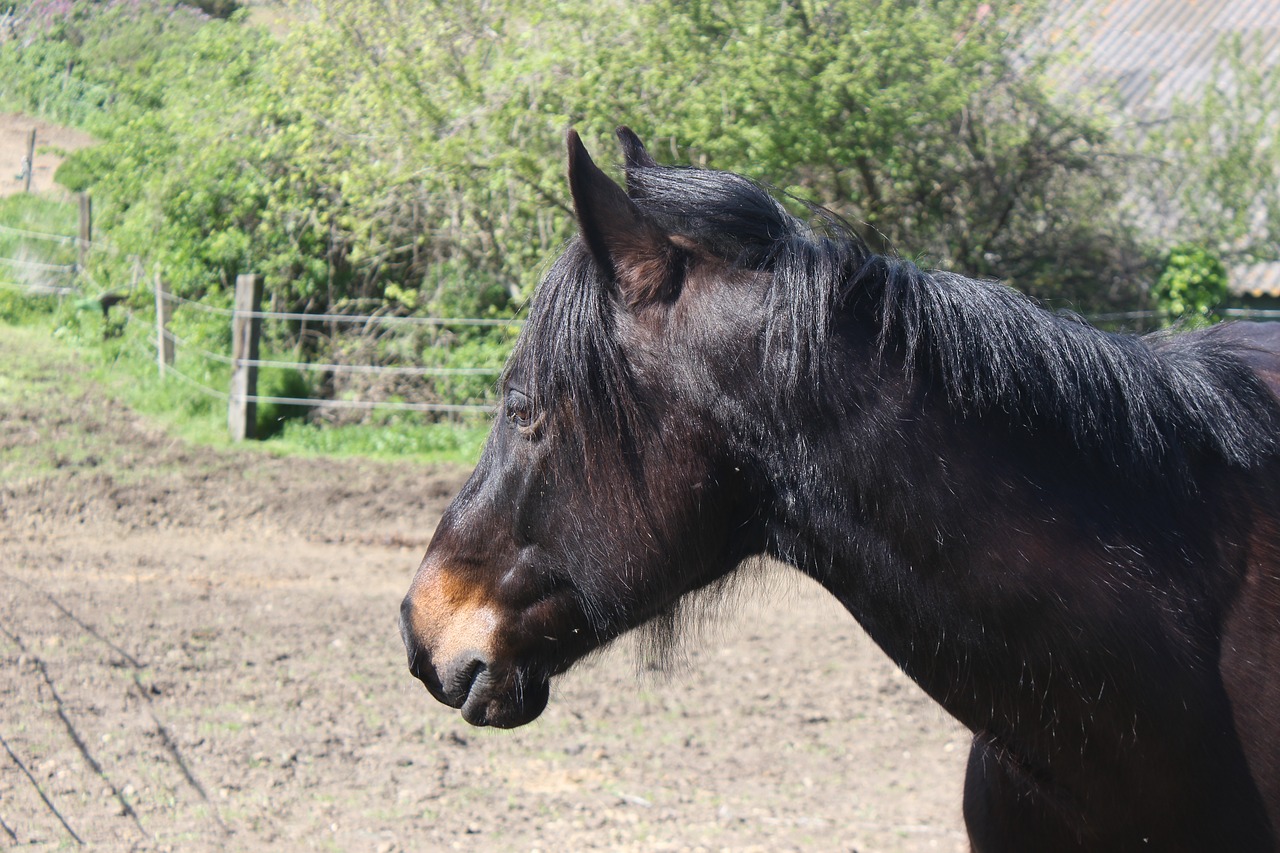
[(1150, 52), (1255, 279)]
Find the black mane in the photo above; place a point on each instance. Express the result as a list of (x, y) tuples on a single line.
[(1139, 401)]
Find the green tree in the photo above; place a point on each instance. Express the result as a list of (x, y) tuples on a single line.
[(1215, 169), (914, 119), (418, 146)]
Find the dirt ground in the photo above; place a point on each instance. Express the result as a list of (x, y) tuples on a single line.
[(53, 143), (198, 651)]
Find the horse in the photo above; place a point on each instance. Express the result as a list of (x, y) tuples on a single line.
[(1067, 537)]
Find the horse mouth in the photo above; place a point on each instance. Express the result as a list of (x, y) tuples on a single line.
[(487, 700), (505, 708)]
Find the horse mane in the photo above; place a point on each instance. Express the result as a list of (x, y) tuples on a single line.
[(1139, 401), (1144, 403)]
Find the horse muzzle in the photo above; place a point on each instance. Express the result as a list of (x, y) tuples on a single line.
[(452, 649)]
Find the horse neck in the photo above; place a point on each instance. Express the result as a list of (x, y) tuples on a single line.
[(969, 550)]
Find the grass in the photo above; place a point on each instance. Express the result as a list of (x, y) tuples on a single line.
[(67, 341), (436, 442), (40, 374), (40, 215)]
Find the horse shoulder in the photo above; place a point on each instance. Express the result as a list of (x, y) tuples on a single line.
[(1249, 653)]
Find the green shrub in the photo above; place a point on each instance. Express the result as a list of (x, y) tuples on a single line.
[(1192, 284), (75, 174), (276, 382), (18, 307)]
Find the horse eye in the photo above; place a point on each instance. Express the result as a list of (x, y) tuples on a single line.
[(519, 409)]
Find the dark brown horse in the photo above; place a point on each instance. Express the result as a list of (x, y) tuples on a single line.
[(1068, 538)]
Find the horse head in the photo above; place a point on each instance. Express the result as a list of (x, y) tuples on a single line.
[(606, 490)]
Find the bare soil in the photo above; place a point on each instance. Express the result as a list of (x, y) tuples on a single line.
[(53, 143), (198, 651)]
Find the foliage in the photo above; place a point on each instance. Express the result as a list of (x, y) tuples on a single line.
[(74, 175), (18, 308), (1192, 284), (388, 143), (911, 118), (79, 61), (408, 155), (1217, 163)]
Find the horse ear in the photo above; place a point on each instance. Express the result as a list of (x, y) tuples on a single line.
[(634, 157), (633, 150), (632, 250)]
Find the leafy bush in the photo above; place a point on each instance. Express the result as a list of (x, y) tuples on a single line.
[(74, 174), (375, 147), (276, 382), (17, 307), (1192, 284)]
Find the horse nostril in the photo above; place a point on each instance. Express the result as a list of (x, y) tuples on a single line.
[(411, 645), (420, 663)]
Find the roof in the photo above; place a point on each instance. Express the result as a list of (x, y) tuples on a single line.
[(1153, 51), (1256, 280)]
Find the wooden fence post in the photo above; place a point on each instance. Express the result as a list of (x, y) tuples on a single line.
[(242, 413), (164, 310), (29, 164), (86, 230)]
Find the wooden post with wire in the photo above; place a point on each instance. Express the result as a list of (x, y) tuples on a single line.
[(246, 326), (29, 164), (86, 231), (164, 310)]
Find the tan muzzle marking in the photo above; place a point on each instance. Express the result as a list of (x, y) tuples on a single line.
[(451, 618)]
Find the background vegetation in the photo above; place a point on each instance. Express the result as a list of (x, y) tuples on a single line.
[(408, 154)]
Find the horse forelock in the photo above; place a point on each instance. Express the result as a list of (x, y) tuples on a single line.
[(568, 355)]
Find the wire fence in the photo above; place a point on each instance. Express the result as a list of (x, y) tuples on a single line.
[(166, 346), (181, 357), (330, 368), (37, 235), (333, 368)]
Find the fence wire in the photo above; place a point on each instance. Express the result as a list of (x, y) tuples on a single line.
[(367, 320), (38, 265), (365, 369), (406, 370), (39, 289), (38, 235)]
